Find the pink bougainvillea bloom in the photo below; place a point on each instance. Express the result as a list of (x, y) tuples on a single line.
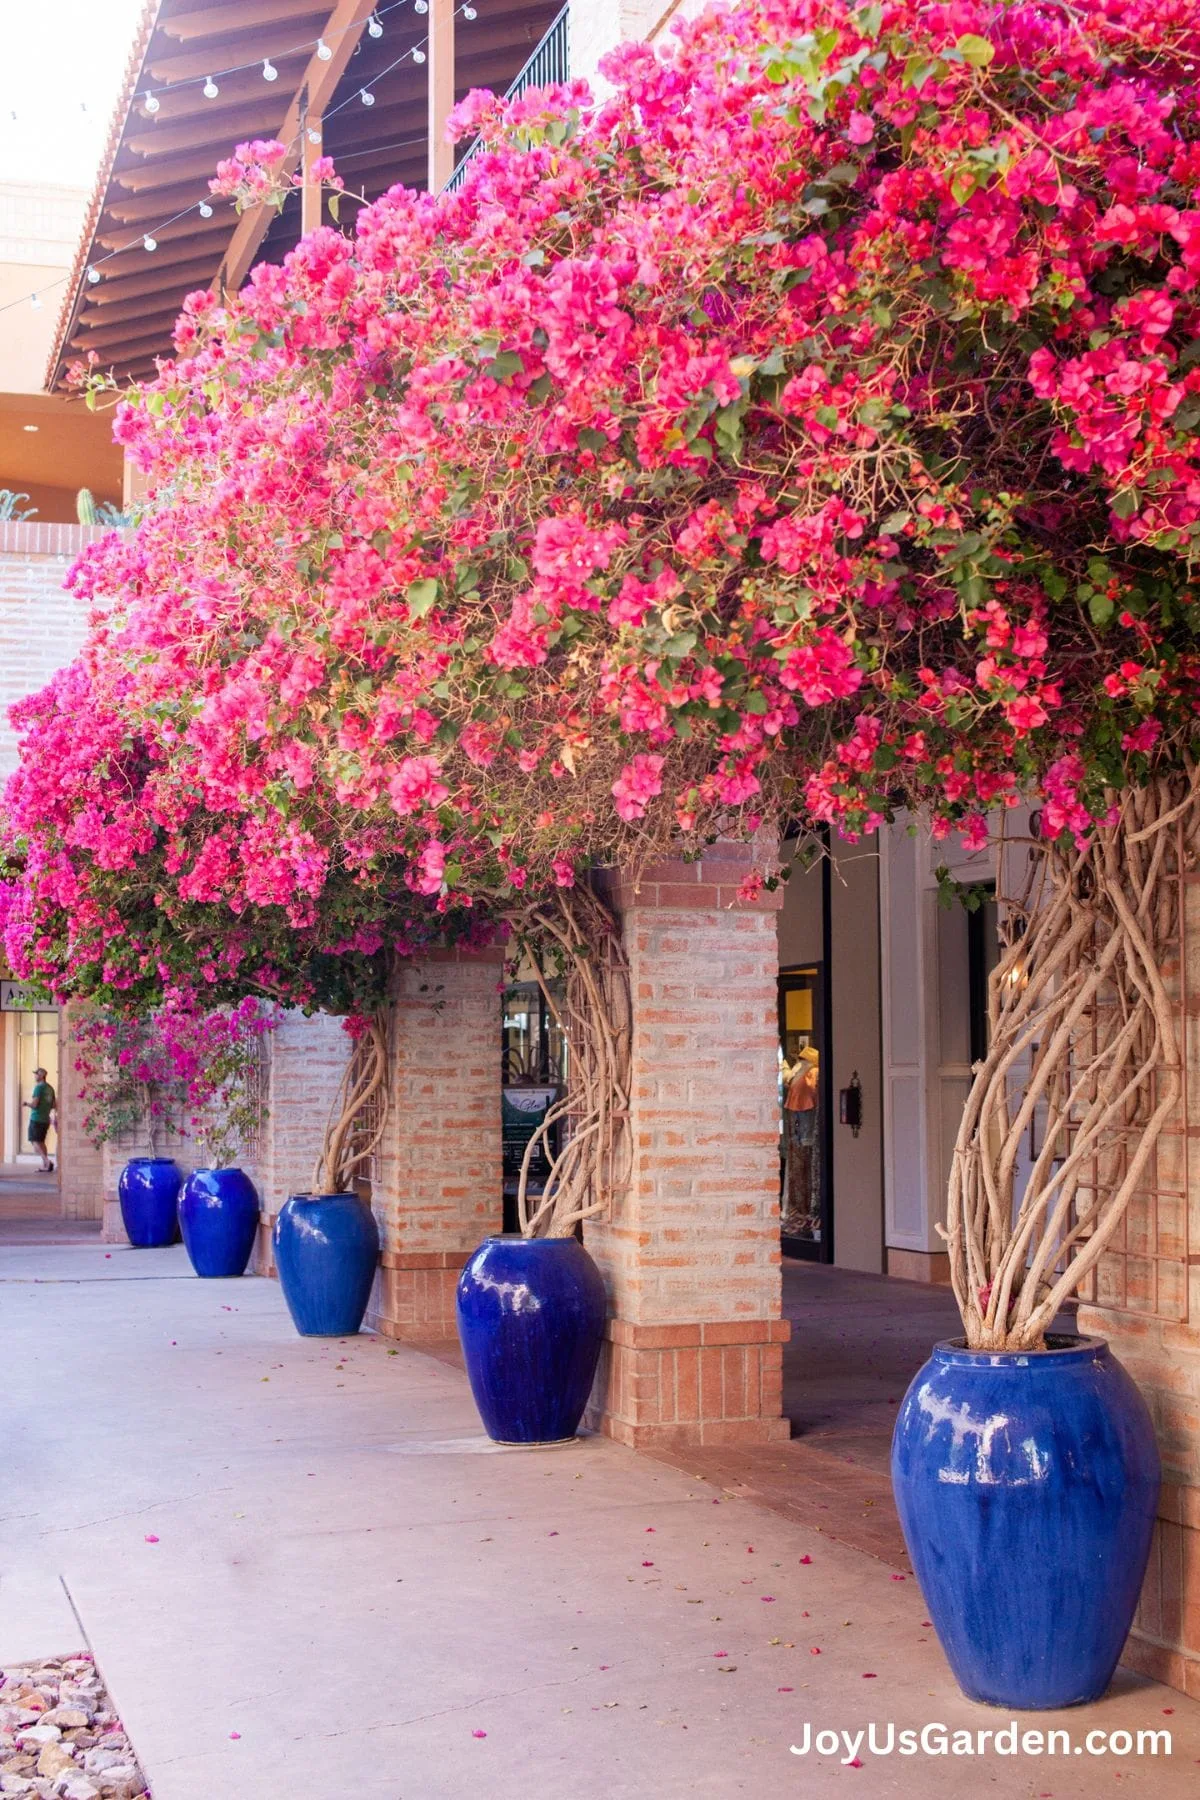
[(479, 1734), (861, 128), (150, 1538)]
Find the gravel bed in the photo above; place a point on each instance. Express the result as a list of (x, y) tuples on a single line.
[(59, 1736)]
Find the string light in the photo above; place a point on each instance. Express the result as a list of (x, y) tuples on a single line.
[(418, 56), (205, 210), (149, 243), (374, 28), (210, 89), (93, 275), (367, 97), (151, 104), (324, 53), (421, 6), (35, 303), (314, 136), (468, 12), (270, 72)]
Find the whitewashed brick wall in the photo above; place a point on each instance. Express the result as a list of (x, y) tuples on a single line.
[(41, 626)]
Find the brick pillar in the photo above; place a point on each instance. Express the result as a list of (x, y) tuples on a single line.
[(691, 1253), (440, 1189), (308, 1058), (1144, 1297)]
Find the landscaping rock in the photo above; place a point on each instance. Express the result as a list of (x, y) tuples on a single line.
[(56, 1759), (60, 1738)]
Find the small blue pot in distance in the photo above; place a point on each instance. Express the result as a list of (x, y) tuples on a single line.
[(218, 1215), (148, 1189)]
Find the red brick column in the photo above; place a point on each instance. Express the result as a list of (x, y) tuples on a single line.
[(440, 1189), (690, 1254), (308, 1058)]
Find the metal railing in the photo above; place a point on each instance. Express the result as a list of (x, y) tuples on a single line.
[(550, 62)]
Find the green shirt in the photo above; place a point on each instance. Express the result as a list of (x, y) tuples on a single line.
[(43, 1103)]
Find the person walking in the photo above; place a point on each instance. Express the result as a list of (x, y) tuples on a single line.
[(41, 1114)]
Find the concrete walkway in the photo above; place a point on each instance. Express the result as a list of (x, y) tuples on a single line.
[(306, 1575)]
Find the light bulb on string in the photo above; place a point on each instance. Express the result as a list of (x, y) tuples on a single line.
[(374, 28), (35, 302), (210, 89), (418, 56), (468, 12), (270, 72), (149, 243), (324, 53), (205, 210), (421, 6), (367, 97), (93, 276), (150, 104), (314, 136)]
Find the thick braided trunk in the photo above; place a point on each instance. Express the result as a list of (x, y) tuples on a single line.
[(1085, 1050), (574, 945), (367, 1079)]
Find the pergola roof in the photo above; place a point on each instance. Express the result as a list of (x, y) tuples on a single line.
[(167, 137)]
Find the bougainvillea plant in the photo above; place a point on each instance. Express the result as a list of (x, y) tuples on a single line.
[(173, 1071), (806, 429)]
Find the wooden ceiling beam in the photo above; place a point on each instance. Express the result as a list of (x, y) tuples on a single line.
[(141, 178), (157, 329), (181, 277), (341, 32), (257, 115), (224, 64), (183, 249), (120, 238), (219, 21), (128, 209), (125, 312)]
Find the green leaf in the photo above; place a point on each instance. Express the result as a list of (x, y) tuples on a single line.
[(421, 596), (504, 366), (1101, 608), (1125, 504), (975, 50)]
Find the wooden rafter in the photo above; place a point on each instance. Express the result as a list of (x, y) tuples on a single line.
[(441, 91), (341, 32)]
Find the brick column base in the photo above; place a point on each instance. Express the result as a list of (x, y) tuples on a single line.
[(674, 1385), (413, 1300)]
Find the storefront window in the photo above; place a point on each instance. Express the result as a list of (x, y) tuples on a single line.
[(37, 1048), (534, 1073), (803, 1100)]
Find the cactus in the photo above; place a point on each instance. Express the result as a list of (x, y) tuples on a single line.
[(85, 507)]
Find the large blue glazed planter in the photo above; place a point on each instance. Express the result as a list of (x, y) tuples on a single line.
[(148, 1189), (531, 1317), (1027, 1484), (326, 1250), (218, 1215)]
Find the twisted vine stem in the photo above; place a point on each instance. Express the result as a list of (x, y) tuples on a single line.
[(1083, 1069), (574, 944), (366, 1077)]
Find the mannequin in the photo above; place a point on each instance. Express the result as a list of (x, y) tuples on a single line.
[(801, 1094)]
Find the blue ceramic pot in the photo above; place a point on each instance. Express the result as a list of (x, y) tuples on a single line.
[(148, 1189), (326, 1249), (218, 1215), (1027, 1484), (531, 1318)]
